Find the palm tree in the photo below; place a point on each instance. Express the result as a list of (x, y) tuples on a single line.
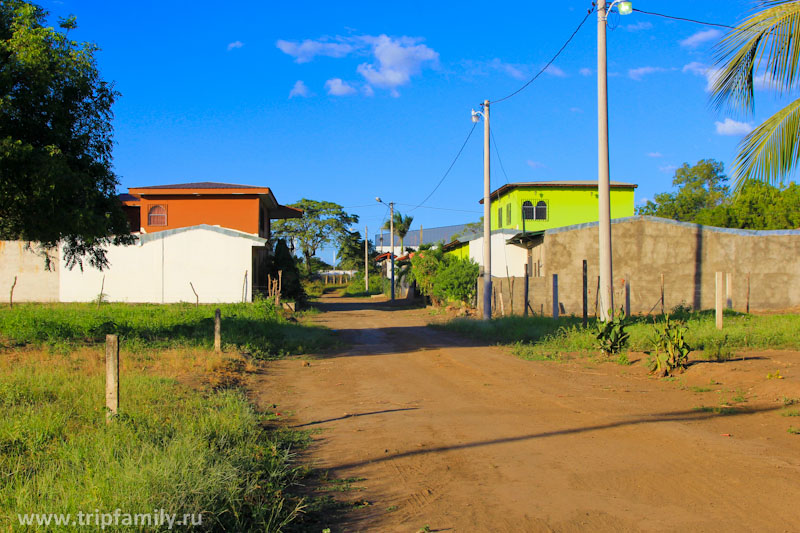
[(765, 47), (401, 226)]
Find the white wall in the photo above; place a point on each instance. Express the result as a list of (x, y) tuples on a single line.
[(503, 255), (160, 266), (34, 283)]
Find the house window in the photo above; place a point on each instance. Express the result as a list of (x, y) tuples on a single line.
[(157, 216), (499, 217), (541, 210), (508, 213), (527, 211)]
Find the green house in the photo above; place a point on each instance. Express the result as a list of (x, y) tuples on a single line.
[(540, 205)]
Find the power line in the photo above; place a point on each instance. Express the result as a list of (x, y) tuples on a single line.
[(448, 168), (552, 59), (442, 208), (497, 151), (684, 19)]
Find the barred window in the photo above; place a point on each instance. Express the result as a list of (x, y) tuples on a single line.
[(527, 211), (541, 211), (157, 216)]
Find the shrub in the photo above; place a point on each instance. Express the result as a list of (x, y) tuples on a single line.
[(611, 335), (455, 280), (671, 348)]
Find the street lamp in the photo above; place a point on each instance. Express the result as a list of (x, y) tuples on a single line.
[(390, 205), (487, 212), (606, 302)]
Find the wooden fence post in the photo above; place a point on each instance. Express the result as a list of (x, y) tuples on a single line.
[(526, 288), (662, 293), (747, 310), (719, 295), (627, 295), (11, 294), (585, 295), (555, 296), (112, 376), (217, 330), (196, 297)]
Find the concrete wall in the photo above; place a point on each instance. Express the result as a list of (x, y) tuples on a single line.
[(506, 260), (34, 283), (688, 256), (160, 266)]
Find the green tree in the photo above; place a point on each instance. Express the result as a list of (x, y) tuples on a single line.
[(757, 205), (763, 47), (401, 226), (700, 187), (321, 223), (56, 179), (351, 252)]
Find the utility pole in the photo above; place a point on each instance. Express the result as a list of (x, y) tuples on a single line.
[(391, 240), (366, 258), (487, 218), (606, 302)]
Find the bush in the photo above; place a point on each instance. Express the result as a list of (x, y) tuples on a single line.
[(611, 335), (356, 286), (671, 348), (442, 277)]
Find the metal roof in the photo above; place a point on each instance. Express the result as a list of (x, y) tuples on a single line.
[(429, 236)]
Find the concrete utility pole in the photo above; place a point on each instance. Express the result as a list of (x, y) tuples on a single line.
[(391, 241), (606, 302), (366, 258), (487, 212)]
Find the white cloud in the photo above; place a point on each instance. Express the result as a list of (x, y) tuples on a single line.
[(696, 39), (668, 169), (299, 89), (576, 109), (700, 69), (482, 68), (535, 164), (397, 60), (638, 73), (639, 26), (555, 71), (337, 87), (643, 201), (305, 51), (234, 45), (586, 71), (733, 127), (368, 91), (654, 154)]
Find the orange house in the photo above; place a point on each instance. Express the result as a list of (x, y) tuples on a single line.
[(240, 207)]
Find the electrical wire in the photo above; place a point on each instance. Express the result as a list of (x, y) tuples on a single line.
[(448, 168), (497, 151), (552, 59), (684, 19)]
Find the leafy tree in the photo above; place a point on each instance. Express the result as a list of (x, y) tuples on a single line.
[(56, 181), (763, 47), (700, 187), (322, 222), (401, 226), (351, 253)]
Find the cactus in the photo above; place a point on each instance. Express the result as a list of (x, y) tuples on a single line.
[(611, 335), (670, 346)]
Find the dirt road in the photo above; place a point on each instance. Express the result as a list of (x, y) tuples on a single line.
[(461, 437)]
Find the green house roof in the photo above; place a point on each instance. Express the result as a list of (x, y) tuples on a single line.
[(560, 184)]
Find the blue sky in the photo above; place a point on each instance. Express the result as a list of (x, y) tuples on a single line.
[(346, 101)]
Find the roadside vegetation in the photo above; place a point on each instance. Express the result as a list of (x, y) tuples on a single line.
[(257, 328), (539, 337)]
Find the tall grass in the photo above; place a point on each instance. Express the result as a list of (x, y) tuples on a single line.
[(356, 287), (540, 337), (256, 328), (171, 447)]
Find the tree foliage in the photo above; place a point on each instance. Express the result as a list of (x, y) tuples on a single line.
[(351, 253), (322, 222), (443, 277), (703, 197), (56, 179), (402, 224), (763, 48)]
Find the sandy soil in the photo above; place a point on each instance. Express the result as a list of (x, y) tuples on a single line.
[(463, 437)]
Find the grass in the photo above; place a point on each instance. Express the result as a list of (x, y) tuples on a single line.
[(186, 440), (542, 338), (356, 286), (255, 328)]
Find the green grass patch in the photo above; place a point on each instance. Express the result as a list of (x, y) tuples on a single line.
[(542, 338), (721, 410), (794, 412), (255, 328), (357, 288), (172, 447)]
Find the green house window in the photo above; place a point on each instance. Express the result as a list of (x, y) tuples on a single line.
[(499, 217), (541, 210), (508, 213)]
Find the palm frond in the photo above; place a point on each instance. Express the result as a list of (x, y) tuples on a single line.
[(769, 36), (772, 150)]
